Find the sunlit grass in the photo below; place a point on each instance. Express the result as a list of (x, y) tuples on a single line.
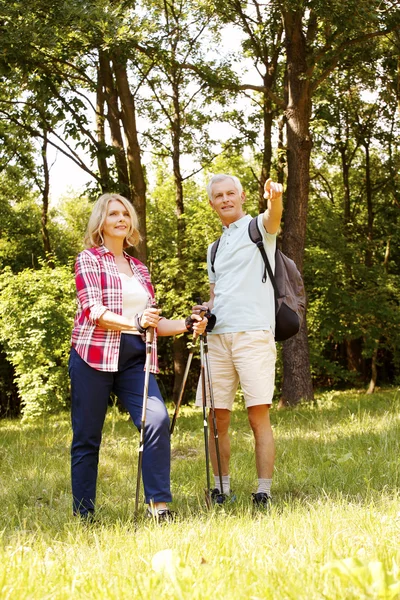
[(333, 532)]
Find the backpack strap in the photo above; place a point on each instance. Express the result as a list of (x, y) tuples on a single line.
[(213, 253), (256, 237)]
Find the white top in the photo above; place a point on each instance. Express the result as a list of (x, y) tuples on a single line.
[(134, 298), (242, 301)]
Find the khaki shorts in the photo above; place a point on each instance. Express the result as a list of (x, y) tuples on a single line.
[(246, 356)]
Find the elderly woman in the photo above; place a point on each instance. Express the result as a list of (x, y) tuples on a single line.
[(115, 299)]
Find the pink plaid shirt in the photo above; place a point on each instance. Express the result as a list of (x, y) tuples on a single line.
[(99, 288)]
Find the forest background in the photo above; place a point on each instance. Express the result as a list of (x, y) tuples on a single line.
[(149, 99)]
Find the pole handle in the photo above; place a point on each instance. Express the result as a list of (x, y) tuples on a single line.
[(202, 313), (150, 330)]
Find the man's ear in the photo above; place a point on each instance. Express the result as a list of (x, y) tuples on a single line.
[(243, 197), (211, 204)]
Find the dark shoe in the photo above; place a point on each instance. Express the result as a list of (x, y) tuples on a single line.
[(86, 517), (88, 522), (161, 515), (262, 499), (218, 497)]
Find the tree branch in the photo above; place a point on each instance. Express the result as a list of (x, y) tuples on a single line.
[(344, 46)]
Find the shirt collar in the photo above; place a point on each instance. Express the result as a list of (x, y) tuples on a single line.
[(102, 250), (237, 224)]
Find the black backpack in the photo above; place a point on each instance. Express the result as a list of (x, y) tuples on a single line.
[(290, 296)]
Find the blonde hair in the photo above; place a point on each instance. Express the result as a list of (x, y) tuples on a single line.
[(94, 230)]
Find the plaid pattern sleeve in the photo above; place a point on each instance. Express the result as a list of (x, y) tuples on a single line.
[(89, 286), (99, 288)]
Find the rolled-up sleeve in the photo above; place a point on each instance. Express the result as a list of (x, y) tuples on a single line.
[(88, 286)]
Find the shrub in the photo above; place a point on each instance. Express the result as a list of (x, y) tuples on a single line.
[(36, 314)]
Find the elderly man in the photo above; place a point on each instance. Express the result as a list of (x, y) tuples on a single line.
[(242, 346)]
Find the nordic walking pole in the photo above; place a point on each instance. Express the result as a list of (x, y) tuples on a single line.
[(205, 366), (181, 391), (212, 411), (183, 384), (149, 340), (205, 422)]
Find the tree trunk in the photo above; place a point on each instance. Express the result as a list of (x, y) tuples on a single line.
[(370, 222), (113, 118), (179, 346), (374, 371), (267, 152), (101, 137), (346, 183), (353, 355), (176, 155), (387, 256), (398, 78), (136, 172), (281, 151), (297, 384), (45, 200)]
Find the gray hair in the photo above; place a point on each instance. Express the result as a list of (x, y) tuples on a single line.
[(221, 177)]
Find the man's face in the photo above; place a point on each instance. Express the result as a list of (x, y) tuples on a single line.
[(227, 202)]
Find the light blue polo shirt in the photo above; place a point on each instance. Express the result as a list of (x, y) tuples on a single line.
[(242, 301)]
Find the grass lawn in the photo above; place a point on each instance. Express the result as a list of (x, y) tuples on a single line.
[(333, 531)]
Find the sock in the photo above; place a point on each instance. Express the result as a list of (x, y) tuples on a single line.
[(226, 483), (264, 485)]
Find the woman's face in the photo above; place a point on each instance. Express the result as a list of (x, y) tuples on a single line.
[(117, 223)]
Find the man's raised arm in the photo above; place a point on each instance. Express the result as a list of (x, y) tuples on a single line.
[(272, 216)]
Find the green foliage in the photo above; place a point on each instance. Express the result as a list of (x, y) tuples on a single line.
[(37, 309), (67, 226), (349, 301), (352, 258), (20, 240), (21, 244)]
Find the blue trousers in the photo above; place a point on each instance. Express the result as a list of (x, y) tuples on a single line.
[(90, 393)]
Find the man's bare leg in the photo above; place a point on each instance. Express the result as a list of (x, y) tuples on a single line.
[(223, 417), (264, 440)]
